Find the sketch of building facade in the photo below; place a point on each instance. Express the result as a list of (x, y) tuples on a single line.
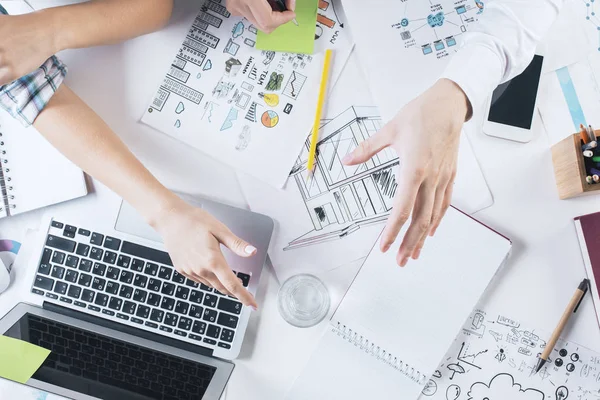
[(340, 199)]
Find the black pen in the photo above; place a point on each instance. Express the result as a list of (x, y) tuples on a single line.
[(571, 309), (282, 8)]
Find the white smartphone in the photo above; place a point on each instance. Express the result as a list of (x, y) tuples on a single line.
[(512, 113)]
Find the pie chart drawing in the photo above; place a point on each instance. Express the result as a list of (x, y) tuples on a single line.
[(270, 119)]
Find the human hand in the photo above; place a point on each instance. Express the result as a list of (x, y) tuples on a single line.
[(260, 13), (193, 239), (425, 134), (27, 41)]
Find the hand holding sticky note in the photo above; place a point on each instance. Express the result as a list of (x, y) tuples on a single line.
[(19, 359), (293, 37)]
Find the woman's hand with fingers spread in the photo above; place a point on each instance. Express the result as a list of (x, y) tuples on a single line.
[(261, 14), (425, 134), (193, 239)]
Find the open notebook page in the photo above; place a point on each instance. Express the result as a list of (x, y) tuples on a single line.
[(39, 174), (413, 313)]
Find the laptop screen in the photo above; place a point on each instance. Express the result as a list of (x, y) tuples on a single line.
[(108, 368)]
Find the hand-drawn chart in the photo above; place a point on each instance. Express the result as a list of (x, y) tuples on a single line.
[(432, 27), (208, 100), (496, 364)]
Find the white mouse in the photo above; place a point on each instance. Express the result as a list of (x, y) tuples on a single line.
[(4, 276)]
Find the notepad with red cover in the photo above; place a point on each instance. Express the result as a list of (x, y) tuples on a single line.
[(588, 232)]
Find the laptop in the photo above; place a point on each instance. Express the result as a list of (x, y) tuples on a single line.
[(120, 322)]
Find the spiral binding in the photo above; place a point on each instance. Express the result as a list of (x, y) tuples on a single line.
[(372, 349), (5, 180)]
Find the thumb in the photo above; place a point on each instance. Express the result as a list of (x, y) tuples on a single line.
[(235, 244), (291, 5), (280, 18), (368, 148)]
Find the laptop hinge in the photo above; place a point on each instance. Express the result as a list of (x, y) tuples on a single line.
[(127, 329)]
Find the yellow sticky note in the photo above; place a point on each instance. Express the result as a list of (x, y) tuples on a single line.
[(19, 360)]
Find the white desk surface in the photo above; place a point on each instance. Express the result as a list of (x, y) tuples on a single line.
[(545, 267)]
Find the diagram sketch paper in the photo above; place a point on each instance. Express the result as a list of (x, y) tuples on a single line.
[(574, 35), (404, 46), (335, 217), (395, 324), (571, 96), (493, 356), (245, 107)]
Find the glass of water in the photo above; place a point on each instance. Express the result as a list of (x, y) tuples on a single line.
[(303, 300)]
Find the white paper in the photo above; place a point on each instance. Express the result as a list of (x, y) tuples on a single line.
[(574, 35), (561, 111), (492, 358), (319, 225), (404, 46), (245, 107)]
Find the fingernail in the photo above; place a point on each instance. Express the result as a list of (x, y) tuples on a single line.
[(432, 231), (250, 249), (404, 261), (347, 158), (417, 254), (385, 247), (254, 308)]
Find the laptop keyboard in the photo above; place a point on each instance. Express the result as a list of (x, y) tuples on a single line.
[(133, 284), (120, 364)]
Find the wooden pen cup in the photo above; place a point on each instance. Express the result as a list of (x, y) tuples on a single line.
[(569, 168)]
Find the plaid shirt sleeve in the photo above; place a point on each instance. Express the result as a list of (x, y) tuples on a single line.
[(26, 97)]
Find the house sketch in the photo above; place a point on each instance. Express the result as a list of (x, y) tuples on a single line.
[(341, 199)]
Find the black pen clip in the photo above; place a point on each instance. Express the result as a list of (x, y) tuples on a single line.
[(586, 286)]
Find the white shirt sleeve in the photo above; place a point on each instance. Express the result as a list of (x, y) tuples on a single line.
[(500, 46)]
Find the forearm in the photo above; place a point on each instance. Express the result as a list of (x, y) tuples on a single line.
[(501, 45), (84, 138), (101, 22)]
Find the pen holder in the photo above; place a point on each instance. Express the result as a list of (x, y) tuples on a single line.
[(569, 168)]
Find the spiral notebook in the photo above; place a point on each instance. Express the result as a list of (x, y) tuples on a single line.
[(394, 324), (33, 174)]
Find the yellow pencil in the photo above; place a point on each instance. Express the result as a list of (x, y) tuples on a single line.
[(315, 130)]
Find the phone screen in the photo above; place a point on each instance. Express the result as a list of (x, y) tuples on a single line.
[(513, 102)]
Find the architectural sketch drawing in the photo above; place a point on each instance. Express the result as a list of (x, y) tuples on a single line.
[(340, 199)]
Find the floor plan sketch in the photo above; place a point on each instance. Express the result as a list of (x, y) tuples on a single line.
[(207, 98), (433, 27), (340, 199)]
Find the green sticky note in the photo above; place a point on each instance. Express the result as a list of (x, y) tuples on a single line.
[(292, 38), (19, 360)]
